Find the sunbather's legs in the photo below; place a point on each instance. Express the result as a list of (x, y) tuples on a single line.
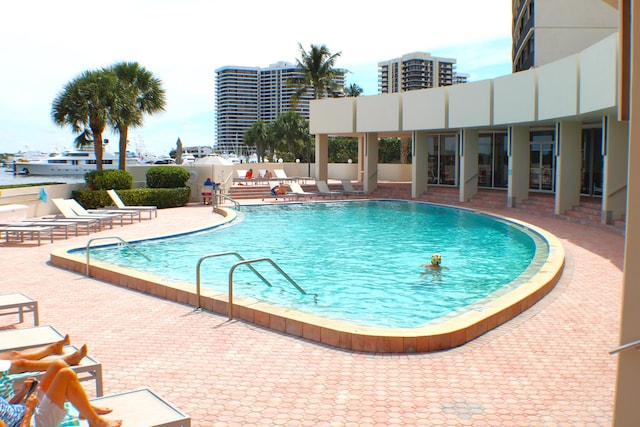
[(61, 384), (27, 365), (37, 353)]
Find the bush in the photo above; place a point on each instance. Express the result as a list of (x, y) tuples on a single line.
[(160, 197), (112, 179), (167, 177)]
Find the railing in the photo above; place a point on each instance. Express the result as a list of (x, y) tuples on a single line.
[(634, 344), (470, 178), (248, 262), (624, 187), (236, 204), (111, 237)]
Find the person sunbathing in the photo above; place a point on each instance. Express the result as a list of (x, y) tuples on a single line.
[(46, 405), (30, 360)]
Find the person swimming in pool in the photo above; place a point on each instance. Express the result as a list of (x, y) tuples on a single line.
[(436, 262)]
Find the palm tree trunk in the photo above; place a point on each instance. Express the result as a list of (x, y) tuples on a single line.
[(122, 155)]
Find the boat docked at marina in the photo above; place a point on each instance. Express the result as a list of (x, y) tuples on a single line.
[(77, 162)]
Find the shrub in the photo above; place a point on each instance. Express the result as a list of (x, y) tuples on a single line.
[(167, 177), (160, 197), (115, 179)]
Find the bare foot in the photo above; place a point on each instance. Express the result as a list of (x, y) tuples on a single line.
[(58, 346), (101, 410), (75, 357), (102, 422)]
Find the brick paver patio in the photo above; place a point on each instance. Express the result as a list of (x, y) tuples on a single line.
[(548, 367)]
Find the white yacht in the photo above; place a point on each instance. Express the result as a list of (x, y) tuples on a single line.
[(69, 163)]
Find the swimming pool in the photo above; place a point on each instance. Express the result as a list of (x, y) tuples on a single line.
[(362, 259)]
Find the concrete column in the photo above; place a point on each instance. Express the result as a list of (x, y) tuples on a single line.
[(568, 165), (322, 157), (615, 149), (370, 179), (360, 158), (420, 155), (518, 180), (627, 400), (468, 152)]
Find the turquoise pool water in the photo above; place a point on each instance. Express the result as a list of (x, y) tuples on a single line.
[(362, 259)]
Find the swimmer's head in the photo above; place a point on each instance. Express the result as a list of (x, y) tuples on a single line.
[(436, 259)]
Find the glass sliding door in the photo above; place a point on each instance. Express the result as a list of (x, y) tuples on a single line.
[(592, 162), (542, 161), (442, 155), (493, 161)]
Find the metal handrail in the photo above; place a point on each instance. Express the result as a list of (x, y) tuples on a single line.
[(250, 261), (470, 178), (229, 198), (236, 254), (634, 344), (110, 237), (617, 191)]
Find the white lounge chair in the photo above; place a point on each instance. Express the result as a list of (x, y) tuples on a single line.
[(325, 191), (117, 213), (297, 191), (34, 231), (68, 213), (139, 408), (349, 190), (120, 205), (281, 176), (22, 338), (19, 304)]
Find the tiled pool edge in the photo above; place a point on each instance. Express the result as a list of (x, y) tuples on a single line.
[(446, 335)]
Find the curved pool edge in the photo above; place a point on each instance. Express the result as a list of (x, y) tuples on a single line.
[(446, 335)]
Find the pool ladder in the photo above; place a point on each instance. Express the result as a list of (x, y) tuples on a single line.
[(122, 242), (248, 263)]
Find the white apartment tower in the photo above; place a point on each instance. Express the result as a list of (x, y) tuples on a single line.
[(418, 70), (547, 30), (247, 94)]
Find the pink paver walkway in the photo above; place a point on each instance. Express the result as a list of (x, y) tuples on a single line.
[(548, 367)]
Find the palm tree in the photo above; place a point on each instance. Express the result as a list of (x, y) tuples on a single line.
[(293, 130), (259, 136), (318, 72), (87, 101), (138, 93), (353, 90)]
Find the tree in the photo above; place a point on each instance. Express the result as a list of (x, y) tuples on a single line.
[(259, 135), (138, 93), (87, 101), (353, 90), (293, 130), (318, 72)]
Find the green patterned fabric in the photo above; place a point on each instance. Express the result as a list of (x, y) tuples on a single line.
[(72, 419), (6, 385)]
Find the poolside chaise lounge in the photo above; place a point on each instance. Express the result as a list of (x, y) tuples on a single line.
[(18, 303), (80, 210), (325, 191), (65, 223), (120, 205), (57, 225), (34, 231), (349, 190), (138, 408), (297, 192), (68, 213)]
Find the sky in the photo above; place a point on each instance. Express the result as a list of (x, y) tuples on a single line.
[(46, 44)]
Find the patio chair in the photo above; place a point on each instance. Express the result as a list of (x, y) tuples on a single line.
[(137, 408), (325, 191), (23, 338), (80, 210), (18, 303), (120, 205), (297, 192), (281, 176), (349, 190), (34, 231), (67, 212)]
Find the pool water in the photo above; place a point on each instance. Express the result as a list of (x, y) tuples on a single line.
[(362, 259)]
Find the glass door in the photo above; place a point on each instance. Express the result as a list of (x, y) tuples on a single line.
[(542, 167), (592, 162), (441, 163)]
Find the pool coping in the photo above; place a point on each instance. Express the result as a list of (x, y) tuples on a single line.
[(448, 334)]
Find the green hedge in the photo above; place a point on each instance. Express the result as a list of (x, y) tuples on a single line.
[(160, 197), (167, 177), (115, 179)]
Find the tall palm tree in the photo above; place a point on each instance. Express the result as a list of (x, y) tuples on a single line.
[(318, 72), (293, 130), (86, 101), (353, 90), (258, 135), (138, 93)]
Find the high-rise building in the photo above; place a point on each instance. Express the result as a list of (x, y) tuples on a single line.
[(547, 30), (418, 70), (247, 94)]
